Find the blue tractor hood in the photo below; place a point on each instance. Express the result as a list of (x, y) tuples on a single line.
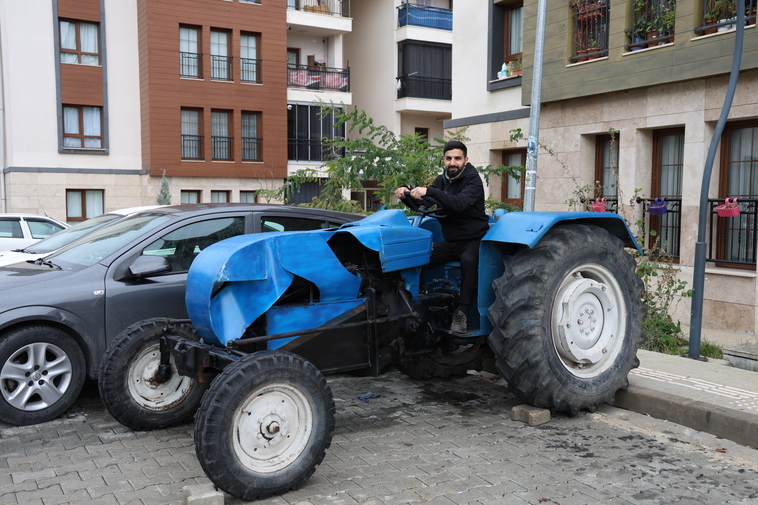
[(232, 283)]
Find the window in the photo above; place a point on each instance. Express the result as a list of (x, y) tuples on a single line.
[(590, 19), (10, 228), (287, 223), (668, 164), (221, 62), (513, 36), (221, 135), (41, 228), (606, 164), (82, 204), (82, 127), (181, 246), (248, 197), (739, 178), (219, 196), (306, 129), (512, 189), (249, 62), (192, 141), (190, 59), (653, 22), (424, 70), (293, 57), (251, 142), (190, 196), (80, 42), (422, 132)]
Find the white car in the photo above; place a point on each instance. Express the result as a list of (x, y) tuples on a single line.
[(63, 237), (21, 230)]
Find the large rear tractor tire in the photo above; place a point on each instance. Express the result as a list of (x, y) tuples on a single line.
[(129, 383), (264, 425), (567, 319)]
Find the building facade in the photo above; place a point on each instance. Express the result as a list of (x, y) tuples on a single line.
[(631, 94)]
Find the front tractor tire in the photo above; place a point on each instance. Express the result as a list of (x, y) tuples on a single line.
[(567, 319), (264, 425), (131, 388)]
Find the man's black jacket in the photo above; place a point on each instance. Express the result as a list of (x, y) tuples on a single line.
[(463, 199)]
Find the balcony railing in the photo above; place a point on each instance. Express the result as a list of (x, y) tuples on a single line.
[(192, 147), (733, 238), (719, 15), (251, 149), (590, 29), (191, 65), (667, 226), (311, 150), (421, 15), (250, 70), (317, 77), (222, 148), (333, 7), (424, 87), (221, 67), (652, 24), (611, 204)]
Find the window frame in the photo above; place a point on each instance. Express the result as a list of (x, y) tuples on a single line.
[(81, 135), (600, 168), (222, 68), (199, 138), (196, 192), (222, 143), (254, 62), (257, 141), (83, 197), (505, 180), (78, 50), (672, 219), (199, 55)]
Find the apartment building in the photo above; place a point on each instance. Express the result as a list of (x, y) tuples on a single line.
[(631, 95), (221, 96)]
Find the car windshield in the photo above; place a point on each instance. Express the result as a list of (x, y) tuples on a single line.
[(68, 235), (102, 243)]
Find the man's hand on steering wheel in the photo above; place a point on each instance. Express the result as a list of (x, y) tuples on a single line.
[(419, 204)]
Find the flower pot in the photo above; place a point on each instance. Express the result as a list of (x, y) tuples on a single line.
[(707, 30), (637, 39), (650, 37)]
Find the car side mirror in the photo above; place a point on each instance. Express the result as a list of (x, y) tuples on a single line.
[(145, 266)]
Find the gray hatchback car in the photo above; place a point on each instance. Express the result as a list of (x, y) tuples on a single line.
[(59, 313)]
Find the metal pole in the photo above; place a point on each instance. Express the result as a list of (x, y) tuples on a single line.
[(698, 281), (534, 112)]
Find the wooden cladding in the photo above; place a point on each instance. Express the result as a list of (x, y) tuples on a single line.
[(168, 87), (84, 10), (81, 84)]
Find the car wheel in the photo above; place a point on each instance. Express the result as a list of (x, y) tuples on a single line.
[(41, 374)]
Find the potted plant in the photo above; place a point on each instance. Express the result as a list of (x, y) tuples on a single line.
[(667, 20)]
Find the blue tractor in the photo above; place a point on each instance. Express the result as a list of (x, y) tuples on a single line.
[(559, 315)]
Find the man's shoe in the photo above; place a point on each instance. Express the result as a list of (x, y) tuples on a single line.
[(459, 322)]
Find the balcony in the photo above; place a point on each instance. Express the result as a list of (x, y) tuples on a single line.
[(652, 24), (318, 77), (250, 70), (719, 15), (191, 65), (590, 30), (222, 148), (311, 150), (331, 7), (192, 147), (733, 238), (251, 149), (221, 68), (436, 88), (427, 17)]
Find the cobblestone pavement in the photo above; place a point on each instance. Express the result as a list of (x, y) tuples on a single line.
[(437, 442)]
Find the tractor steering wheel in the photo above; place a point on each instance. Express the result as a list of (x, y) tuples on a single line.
[(419, 207)]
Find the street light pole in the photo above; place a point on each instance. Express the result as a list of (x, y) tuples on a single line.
[(532, 144)]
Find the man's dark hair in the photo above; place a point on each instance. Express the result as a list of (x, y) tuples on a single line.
[(455, 144)]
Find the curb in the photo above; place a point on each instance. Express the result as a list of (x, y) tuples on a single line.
[(734, 425)]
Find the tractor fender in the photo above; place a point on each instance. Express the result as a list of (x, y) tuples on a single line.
[(527, 228)]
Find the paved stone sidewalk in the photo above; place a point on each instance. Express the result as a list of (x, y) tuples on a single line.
[(441, 443)]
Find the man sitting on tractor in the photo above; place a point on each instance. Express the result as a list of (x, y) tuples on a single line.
[(459, 190)]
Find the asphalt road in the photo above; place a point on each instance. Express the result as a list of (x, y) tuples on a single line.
[(437, 442)]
